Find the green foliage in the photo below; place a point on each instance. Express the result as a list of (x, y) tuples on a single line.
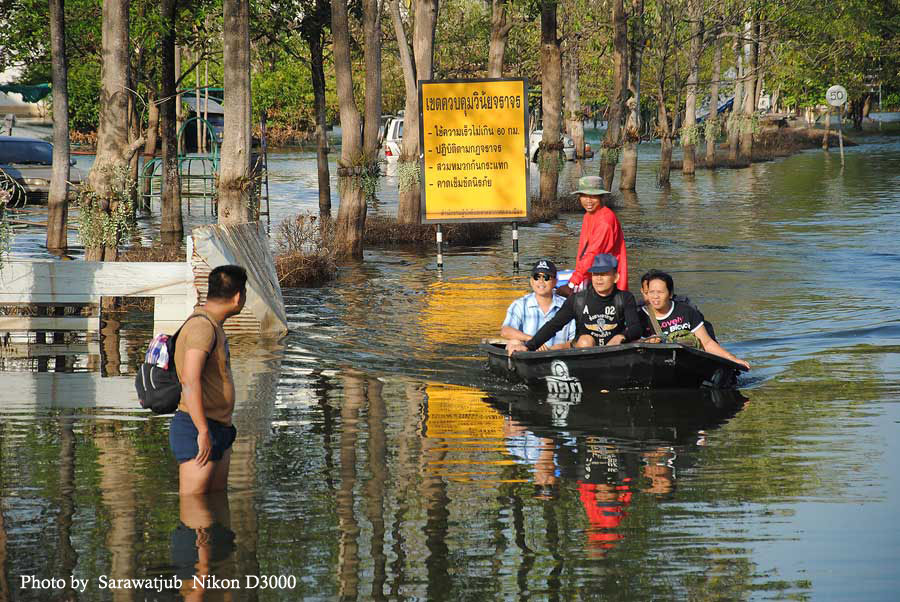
[(286, 92), (408, 175), (107, 222), (84, 94), (460, 23), (712, 127), (690, 135), (851, 42), (890, 101), (9, 191), (550, 160)]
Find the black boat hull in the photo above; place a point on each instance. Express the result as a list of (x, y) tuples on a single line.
[(628, 366)]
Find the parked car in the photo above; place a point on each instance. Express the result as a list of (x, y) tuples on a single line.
[(535, 140), (392, 138), (29, 161)]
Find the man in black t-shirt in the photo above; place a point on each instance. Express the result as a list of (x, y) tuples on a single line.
[(603, 314)]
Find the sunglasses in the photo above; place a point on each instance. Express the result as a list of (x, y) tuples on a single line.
[(544, 277)]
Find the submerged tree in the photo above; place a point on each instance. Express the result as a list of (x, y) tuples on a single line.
[(712, 118), (751, 60), (312, 28), (351, 219), (235, 177), (417, 65), (500, 28), (689, 132), (551, 147), (632, 132), (113, 152), (57, 204), (612, 142), (172, 224)]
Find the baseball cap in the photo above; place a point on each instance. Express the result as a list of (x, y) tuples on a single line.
[(591, 185), (544, 266), (603, 262)]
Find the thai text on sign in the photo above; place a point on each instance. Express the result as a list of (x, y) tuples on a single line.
[(474, 140)]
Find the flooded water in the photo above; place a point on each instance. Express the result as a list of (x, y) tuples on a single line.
[(376, 457)]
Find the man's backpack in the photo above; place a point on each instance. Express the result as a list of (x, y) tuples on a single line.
[(157, 382)]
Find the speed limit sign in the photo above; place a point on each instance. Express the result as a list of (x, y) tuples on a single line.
[(836, 96)]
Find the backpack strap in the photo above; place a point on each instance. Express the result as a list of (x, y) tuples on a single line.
[(653, 321), (619, 303), (579, 302), (215, 332)]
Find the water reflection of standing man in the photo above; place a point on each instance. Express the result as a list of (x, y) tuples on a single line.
[(203, 542)]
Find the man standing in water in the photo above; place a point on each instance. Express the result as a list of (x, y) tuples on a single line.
[(603, 314), (201, 433), (601, 232)]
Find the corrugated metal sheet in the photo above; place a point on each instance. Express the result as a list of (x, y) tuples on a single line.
[(243, 323)]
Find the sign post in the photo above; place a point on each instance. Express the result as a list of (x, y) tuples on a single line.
[(836, 96), (474, 140)]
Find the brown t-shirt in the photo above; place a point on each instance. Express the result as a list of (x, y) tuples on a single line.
[(216, 382)]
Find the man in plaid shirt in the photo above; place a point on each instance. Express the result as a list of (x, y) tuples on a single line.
[(527, 314)]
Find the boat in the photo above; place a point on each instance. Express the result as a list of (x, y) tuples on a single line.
[(637, 365)]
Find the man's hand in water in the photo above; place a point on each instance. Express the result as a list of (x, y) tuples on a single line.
[(564, 291), (513, 346)]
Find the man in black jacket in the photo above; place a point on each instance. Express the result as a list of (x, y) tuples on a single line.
[(603, 314)]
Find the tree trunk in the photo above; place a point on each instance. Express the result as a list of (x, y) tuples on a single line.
[(612, 142), (689, 127), (665, 163), (372, 59), (134, 132), (234, 173), (152, 139), (351, 219), (150, 144), (112, 133), (179, 109), (759, 51), (171, 227), (750, 49), (317, 68), (551, 95), (712, 118), (499, 35), (826, 138), (734, 123), (408, 209), (632, 133), (866, 108), (572, 110), (419, 67), (57, 204)]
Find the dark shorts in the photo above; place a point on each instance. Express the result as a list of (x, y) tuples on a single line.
[(183, 437)]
